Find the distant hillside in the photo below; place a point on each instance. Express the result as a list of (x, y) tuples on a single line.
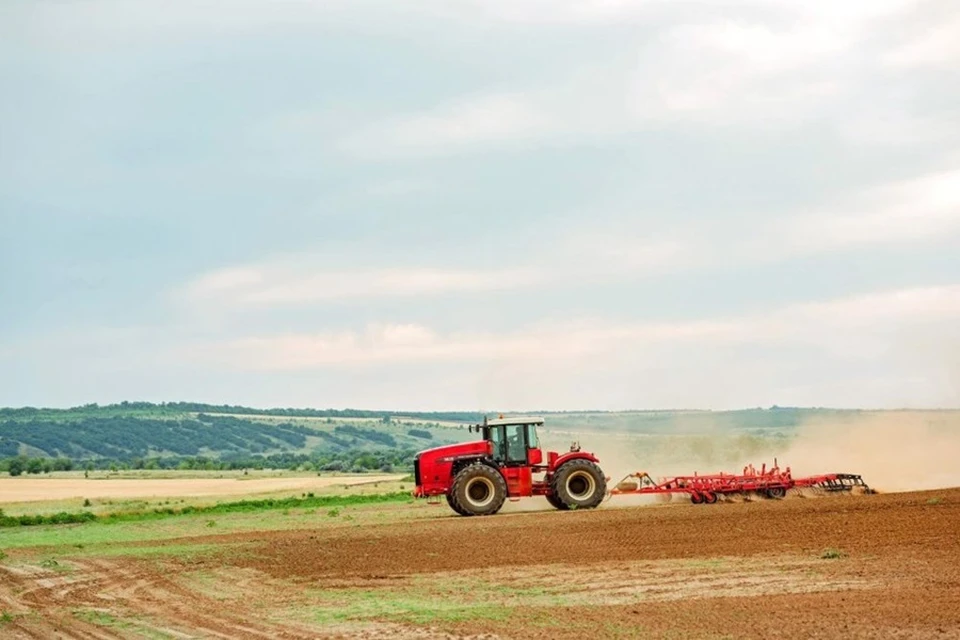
[(167, 433), (180, 409)]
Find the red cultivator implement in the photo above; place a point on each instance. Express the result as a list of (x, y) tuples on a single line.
[(766, 483)]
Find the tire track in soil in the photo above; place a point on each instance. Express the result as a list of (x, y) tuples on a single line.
[(130, 591)]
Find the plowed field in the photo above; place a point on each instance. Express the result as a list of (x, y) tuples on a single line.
[(882, 566)]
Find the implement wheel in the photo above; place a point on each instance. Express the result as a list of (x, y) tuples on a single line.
[(776, 492), (696, 497), (479, 490), (579, 484), (709, 497)]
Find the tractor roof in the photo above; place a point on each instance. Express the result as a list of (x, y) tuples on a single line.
[(514, 420)]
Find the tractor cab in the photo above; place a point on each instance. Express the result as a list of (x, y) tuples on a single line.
[(513, 441)]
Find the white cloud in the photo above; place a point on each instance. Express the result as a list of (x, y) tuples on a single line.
[(297, 283), (775, 65), (938, 46), (498, 118), (555, 12), (571, 258), (565, 13), (920, 210), (892, 125), (738, 71), (838, 326), (927, 207), (924, 209)]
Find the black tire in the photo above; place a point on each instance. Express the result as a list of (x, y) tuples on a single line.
[(579, 484), (453, 505), (479, 490), (776, 492), (709, 497), (696, 498), (555, 502)]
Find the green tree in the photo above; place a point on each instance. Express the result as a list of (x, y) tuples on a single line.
[(15, 466)]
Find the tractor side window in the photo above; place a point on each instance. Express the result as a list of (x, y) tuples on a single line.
[(533, 442), (516, 443), (496, 439)]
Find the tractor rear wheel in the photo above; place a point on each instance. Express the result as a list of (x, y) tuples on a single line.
[(555, 502), (479, 490), (579, 484)]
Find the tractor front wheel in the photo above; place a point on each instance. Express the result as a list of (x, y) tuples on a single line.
[(579, 484), (479, 490), (453, 505)]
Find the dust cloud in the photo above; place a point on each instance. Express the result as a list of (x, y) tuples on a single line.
[(892, 450)]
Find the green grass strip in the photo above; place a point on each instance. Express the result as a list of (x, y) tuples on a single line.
[(307, 502)]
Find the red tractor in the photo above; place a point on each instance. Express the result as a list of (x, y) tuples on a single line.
[(476, 477)]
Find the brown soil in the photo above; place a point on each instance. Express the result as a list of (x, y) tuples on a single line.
[(744, 570)]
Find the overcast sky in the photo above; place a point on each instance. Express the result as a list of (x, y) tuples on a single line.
[(480, 204)]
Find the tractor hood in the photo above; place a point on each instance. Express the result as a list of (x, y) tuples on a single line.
[(432, 468), (478, 448)]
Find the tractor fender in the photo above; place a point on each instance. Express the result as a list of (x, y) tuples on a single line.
[(572, 455)]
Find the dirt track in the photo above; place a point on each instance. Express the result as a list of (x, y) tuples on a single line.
[(33, 489), (752, 570)]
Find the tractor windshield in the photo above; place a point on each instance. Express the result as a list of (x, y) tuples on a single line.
[(516, 443)]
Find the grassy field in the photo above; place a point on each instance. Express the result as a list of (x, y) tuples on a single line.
[(141, 532)]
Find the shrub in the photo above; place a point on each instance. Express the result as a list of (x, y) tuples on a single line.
[(15, 466)]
